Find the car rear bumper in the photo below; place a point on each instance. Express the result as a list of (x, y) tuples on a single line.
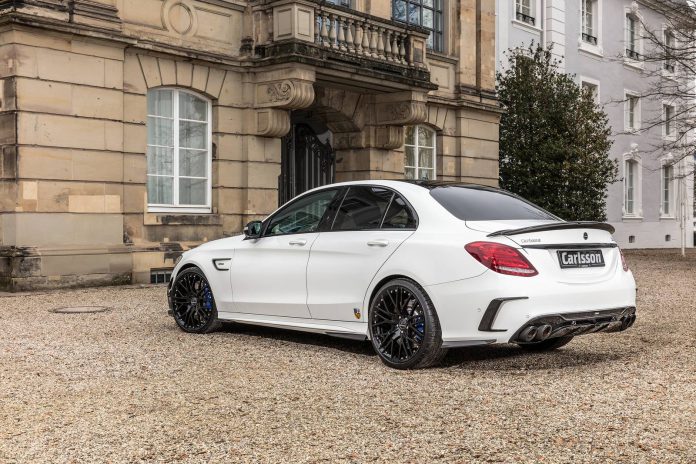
[(496, 308), (574, 324)]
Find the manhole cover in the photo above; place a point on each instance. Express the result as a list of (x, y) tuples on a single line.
[(80, 309)]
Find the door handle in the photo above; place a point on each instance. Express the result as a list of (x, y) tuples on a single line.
[(298, 242), (378, 243)]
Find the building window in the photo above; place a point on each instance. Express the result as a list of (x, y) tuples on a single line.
[(178, 151), (632, 37), (668, 121), (592, 87), (630, 175), (669, 43), (346, 3), (667, 190), (589, 22), (425, 13), (419, 146), (632, 109), (525, 11)]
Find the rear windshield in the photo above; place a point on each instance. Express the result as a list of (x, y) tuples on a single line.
[(481, 204)]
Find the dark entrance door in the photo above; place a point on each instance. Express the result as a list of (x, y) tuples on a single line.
[(306, 163)]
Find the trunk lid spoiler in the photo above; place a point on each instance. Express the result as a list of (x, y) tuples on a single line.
[(555, 226)]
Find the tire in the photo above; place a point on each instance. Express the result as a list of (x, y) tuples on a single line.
[(412, 339), (193, 304), (547, 345)]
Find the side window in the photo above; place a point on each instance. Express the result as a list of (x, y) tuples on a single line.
[(362, 208), (301, 216), (399, 215)]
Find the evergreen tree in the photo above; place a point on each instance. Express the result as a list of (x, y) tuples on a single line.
[(554, 138)]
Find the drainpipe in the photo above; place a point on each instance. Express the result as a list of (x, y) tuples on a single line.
[(542, 22)]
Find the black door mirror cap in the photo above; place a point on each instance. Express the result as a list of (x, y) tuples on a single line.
[(252, 230)]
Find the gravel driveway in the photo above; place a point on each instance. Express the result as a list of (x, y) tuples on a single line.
[(126, 385)]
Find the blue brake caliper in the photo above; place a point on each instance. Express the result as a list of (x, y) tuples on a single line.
[(420, 329), (207, 298)]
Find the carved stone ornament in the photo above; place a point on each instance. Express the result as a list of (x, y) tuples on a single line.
[(289, 94), (279, 91), (389, 137), (402, 113), (272, 123), (180, 17)]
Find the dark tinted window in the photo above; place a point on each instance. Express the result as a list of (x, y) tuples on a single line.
[(302, 215), (362, 208), (480, 204), (399, 215)]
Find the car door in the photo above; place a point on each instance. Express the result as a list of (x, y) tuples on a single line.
[(369, 225), (269, 274)]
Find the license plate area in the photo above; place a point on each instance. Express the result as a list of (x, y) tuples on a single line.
[(573, 259)]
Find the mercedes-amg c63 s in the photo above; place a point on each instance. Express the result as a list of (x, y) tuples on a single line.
[(415, 267)]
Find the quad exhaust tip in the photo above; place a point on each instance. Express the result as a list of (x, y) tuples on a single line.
[(528, 334), (628, 321), (631, 319), (543, 332)]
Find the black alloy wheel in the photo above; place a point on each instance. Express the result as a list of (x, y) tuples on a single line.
[(193, 305), (404, 327)]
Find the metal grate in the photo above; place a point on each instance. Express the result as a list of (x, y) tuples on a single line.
[(589, 39), (160, 276), (526, 18)]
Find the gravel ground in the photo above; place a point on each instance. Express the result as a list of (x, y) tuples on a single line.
[(126, 385)]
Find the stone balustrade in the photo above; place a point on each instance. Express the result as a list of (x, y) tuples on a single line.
[(362, 36), (339, 30)]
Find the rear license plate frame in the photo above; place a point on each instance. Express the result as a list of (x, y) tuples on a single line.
[(580, 259)]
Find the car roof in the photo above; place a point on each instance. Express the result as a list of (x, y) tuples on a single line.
[(426, 184)]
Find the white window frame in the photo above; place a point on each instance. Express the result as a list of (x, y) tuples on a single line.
[(666, 32), (176, 206), (637, 211), (632, 11), (637, 116), (533, 12), (665, 134), (416, 151), (584, 46), (667, 186), (593, 82)]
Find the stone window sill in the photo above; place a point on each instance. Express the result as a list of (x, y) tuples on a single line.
[(525, 26), (633, 64), (182, 219), (595, 51)]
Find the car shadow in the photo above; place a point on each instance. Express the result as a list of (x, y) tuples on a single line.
[(482, 358), (513, 358), (358, 347)]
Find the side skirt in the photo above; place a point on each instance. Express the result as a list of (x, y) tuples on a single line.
[(343, 329)]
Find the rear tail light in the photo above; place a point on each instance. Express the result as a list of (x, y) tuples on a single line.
[(623, 261), (501, 258)]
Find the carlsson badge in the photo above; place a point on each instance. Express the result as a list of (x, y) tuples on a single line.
[(585, 236), (356, 312)]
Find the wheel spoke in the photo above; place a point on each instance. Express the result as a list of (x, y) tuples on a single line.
[(407, 346), (393, 302)]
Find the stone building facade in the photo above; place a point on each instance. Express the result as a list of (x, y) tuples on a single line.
[(601, 43), (131, 130)]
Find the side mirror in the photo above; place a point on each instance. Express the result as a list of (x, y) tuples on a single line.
[(252, 230)]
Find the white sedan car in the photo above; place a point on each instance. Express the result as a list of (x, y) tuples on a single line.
[(415, 267)]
